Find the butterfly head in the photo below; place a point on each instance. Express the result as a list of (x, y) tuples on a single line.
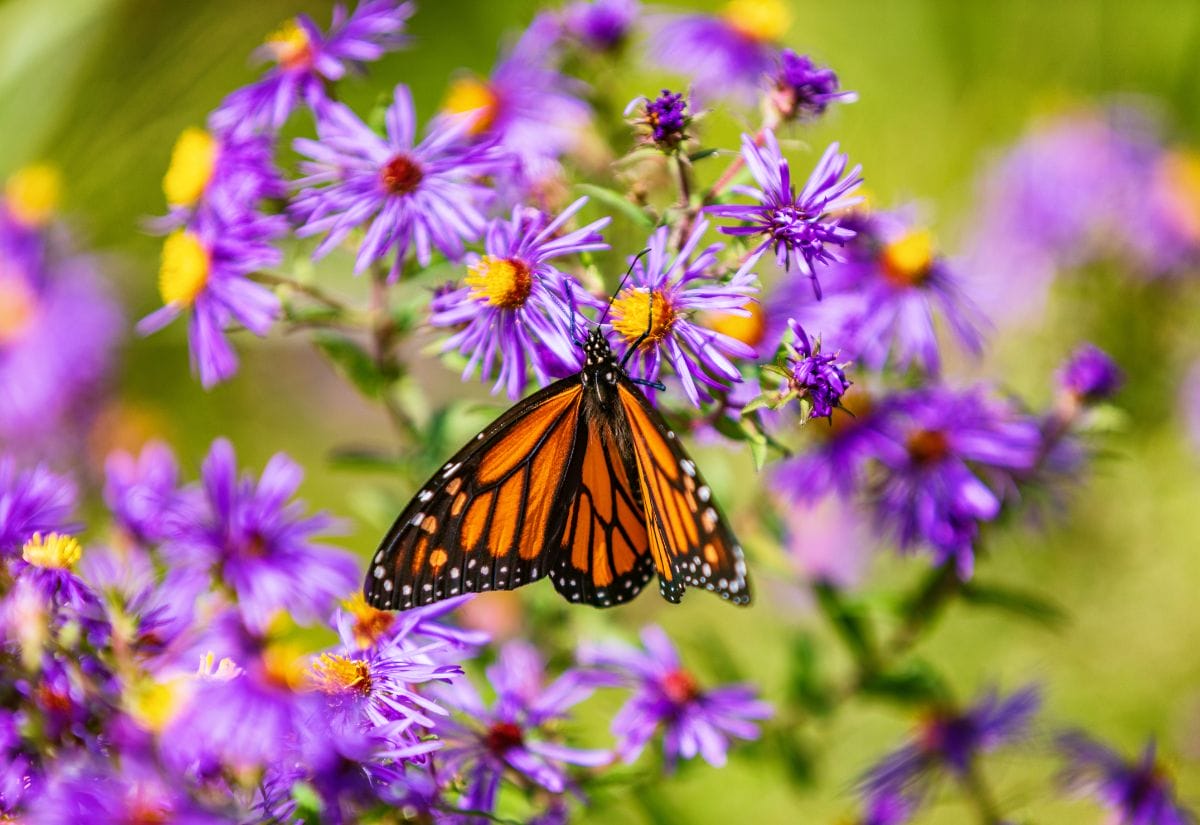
[(601, 370)]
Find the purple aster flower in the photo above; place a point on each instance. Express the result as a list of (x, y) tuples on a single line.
[(360, 626), (245, 707), (727, 55), (374, 687), (306, 59), (660, 303), (1138, 793), (133, 789), (1060, 197), (258, 544), (839, 455), (951, 740), (510, 735), (801, 228), (1090, 375), (531, 110), (18, 773), (818, 379), (204, 272), (47, 564), (421, 195), (883, 298), (51, 381), (666, 117), (952, 459), (512, 307), (601, 25), (802, 89), (142, 491), (889, 807), (31, 501), (694, 720)]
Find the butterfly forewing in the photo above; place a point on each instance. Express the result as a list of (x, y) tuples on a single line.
[(483, 520), (690, 541)]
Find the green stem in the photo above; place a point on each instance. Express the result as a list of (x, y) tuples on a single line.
[(976, 789), (383, 351), (314, 292)]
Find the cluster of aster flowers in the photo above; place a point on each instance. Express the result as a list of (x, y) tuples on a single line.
[(159, 672), (167, 669), (59, 324)]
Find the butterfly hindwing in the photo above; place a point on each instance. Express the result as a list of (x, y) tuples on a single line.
[(603, 558), (490, 518), (690, 542)]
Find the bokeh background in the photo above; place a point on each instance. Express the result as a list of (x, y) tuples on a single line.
[(101, 88)]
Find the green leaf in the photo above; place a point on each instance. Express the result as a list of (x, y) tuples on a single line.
[(1018, 602), (913, 683), (308, 803), (729, 428), (701, 154), (364, 458), (760, 452), (352, 361), (805, 689), (617, 201), (850, 622)]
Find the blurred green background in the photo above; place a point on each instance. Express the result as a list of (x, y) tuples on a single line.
[(103, 87)]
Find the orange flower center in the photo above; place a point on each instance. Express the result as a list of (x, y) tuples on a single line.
[(401, 175)]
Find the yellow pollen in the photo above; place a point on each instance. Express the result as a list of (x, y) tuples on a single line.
[(33, 193), (192, 162), (503, 282), (185, 267), (470, 94), (18, 306), (369, 623), (284, 664), (290, 46), (760, 20), (154, 705), (52, 550), (338, 675), (907, 261), (1177, 180), (632, 316), (749, 329)]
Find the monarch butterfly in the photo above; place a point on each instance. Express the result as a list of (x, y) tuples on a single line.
[(582, 482)]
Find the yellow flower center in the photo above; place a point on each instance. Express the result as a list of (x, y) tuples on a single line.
[(470, 94), (18, 306), (192, 162), (338, 675), (185, 268), (369, 623), (52, 550), (907, 261), (154, 705), (761, 20), (1177, 179), (633, 318), (749, 329), (290, 46), (33, 193), (502, 282)]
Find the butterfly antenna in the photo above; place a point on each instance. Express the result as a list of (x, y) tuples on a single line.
[(628, 272), (641, 338)]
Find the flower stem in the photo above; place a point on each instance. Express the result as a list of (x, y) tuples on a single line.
[(383, 351), (314, 292), (731, 172)]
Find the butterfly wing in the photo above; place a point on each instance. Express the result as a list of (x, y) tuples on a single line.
[(690, 541), (487, 519), (604, 557)]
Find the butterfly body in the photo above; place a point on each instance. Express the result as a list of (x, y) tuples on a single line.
[(582, 482)]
